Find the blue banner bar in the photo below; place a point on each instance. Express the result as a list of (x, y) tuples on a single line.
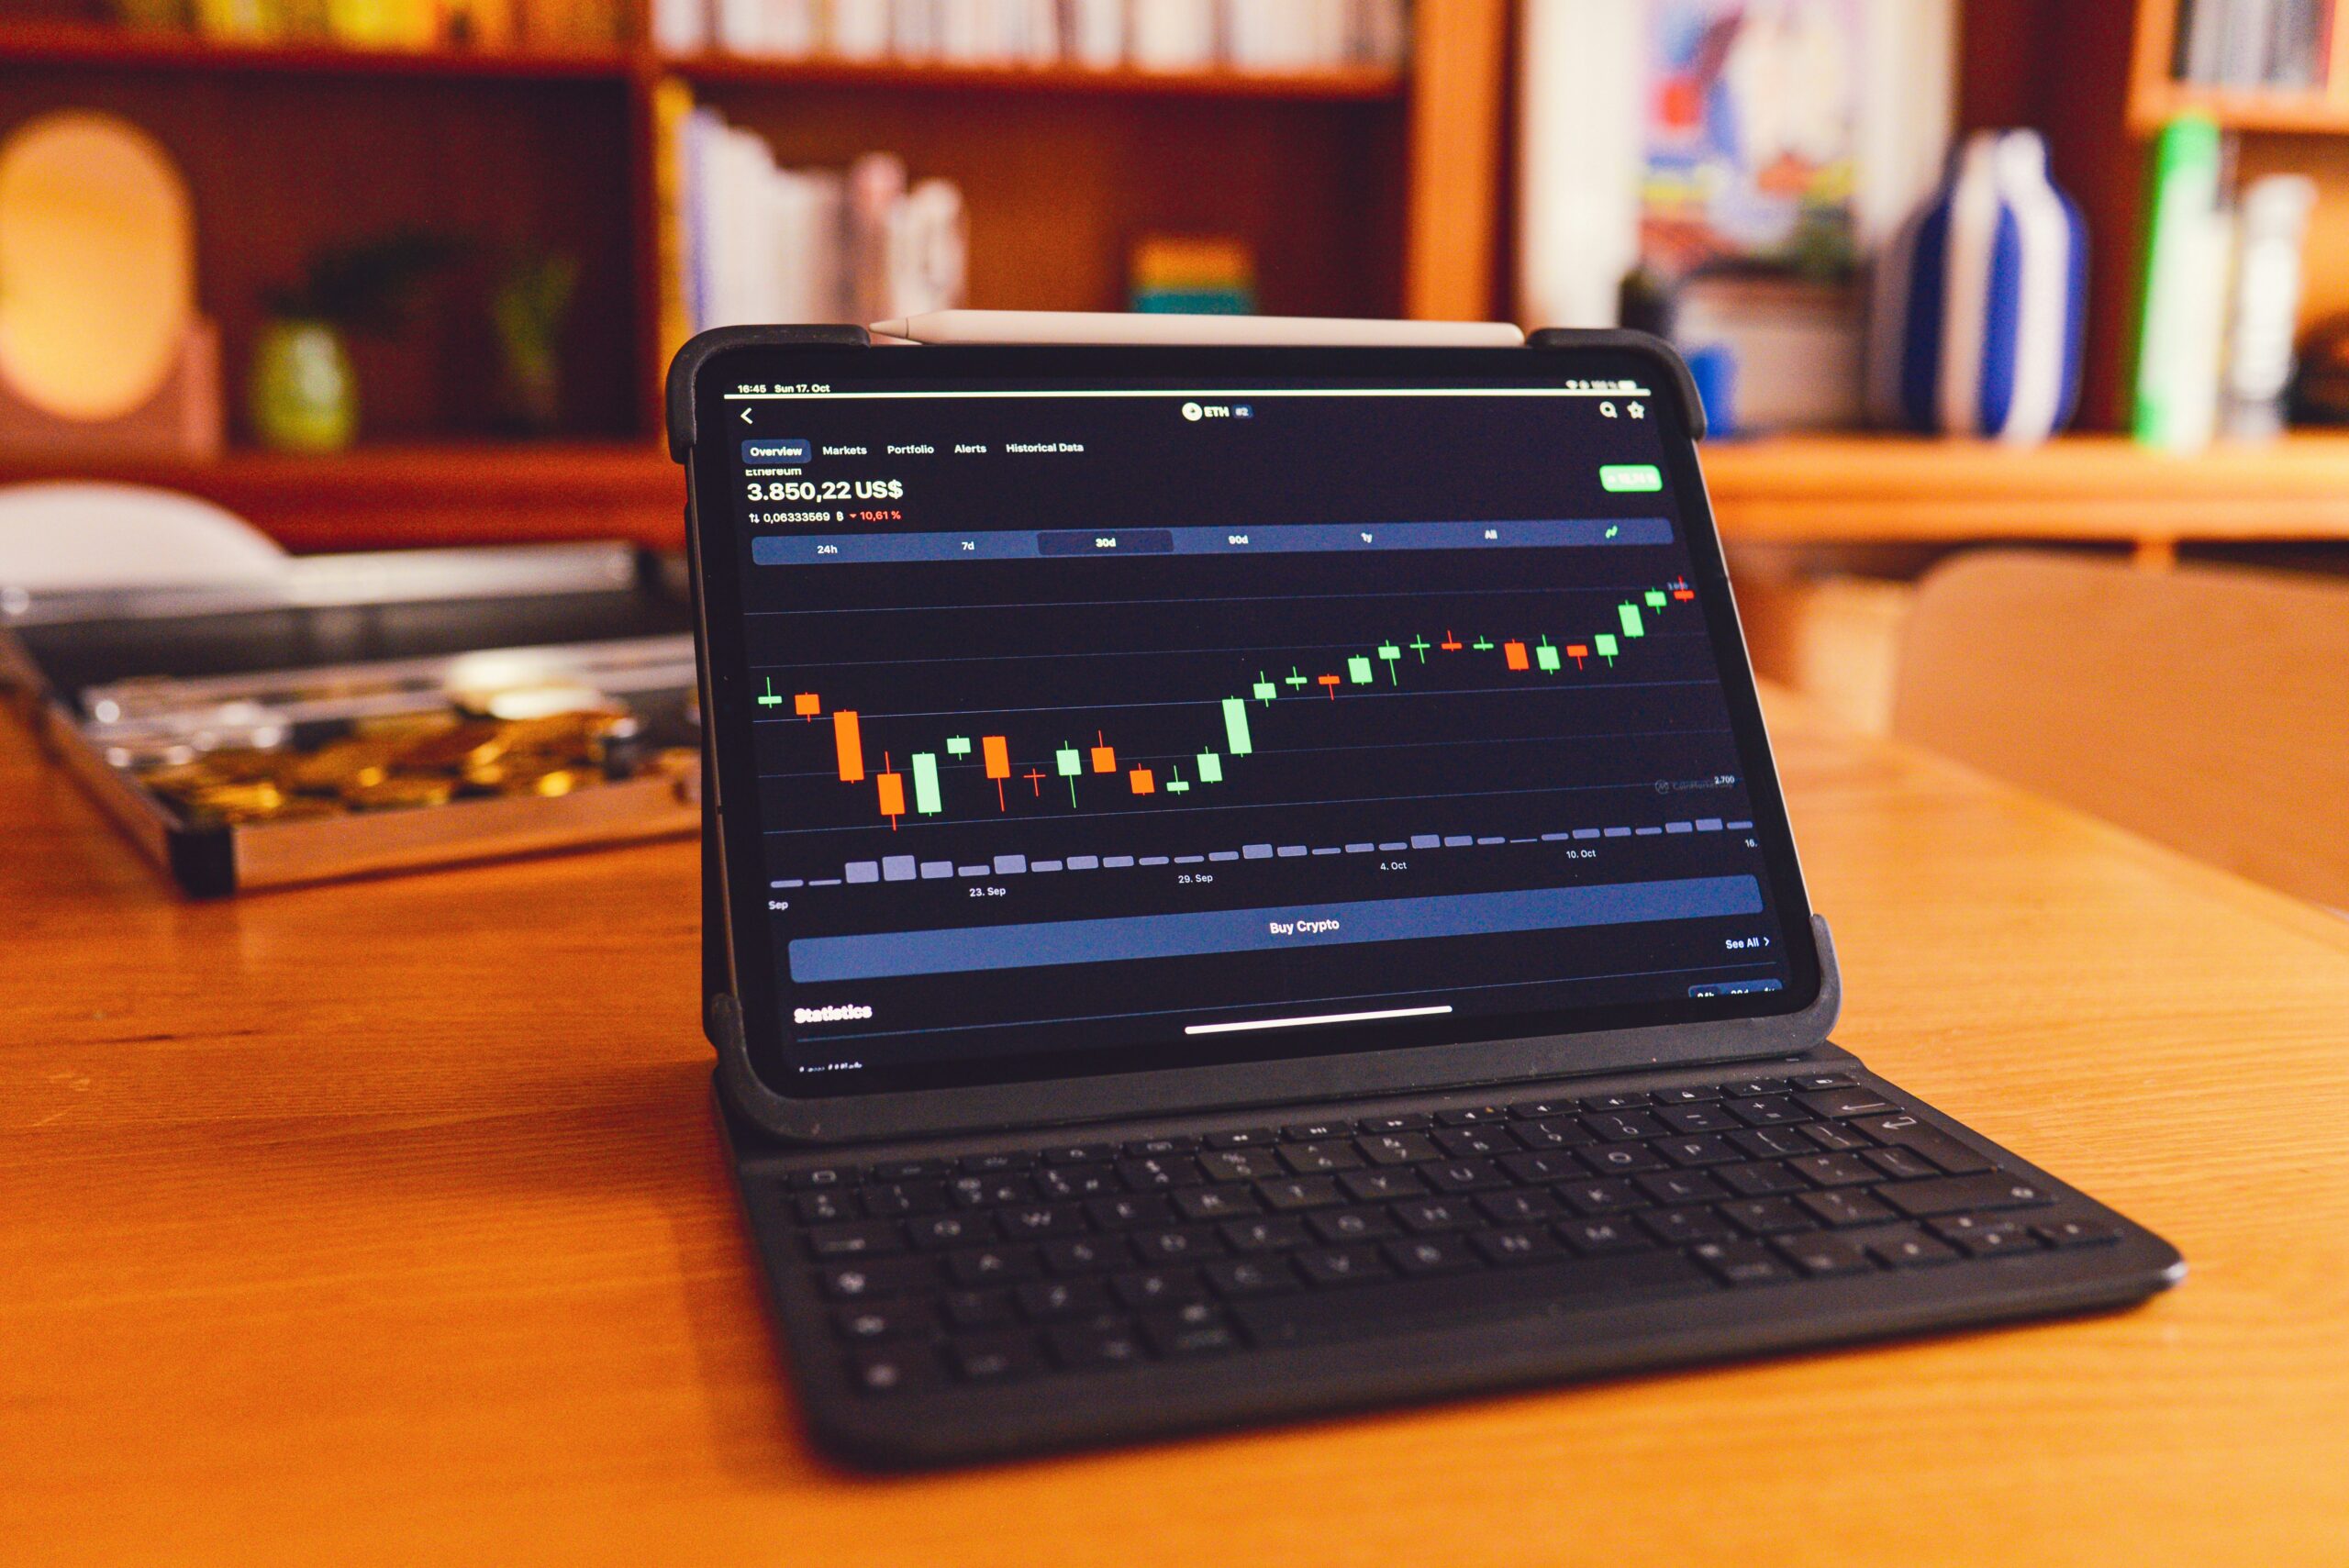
[(960, 951), (1285, 538)]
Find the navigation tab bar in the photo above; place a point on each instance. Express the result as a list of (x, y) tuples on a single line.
[(1536, 533)]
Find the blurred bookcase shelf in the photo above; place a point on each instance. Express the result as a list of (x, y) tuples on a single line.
[(1781, 491), (27, 44), (1355, 84), (2156, 96)]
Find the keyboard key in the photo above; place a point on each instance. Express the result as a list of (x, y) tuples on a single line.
[(1130, 1213), (1264, 1234), (1601, 1103), (1327, 1267), (1705, 1149), (1245, 1137), (1077, 1180), (883, 1321), (1299, 1193), (995, 1164), (1229, 1277), (1536, 1169), (1476, 1142), (825, 1207), (1619, 1127), (902, 1200), (1703, 1094), (1900, 1165), (1769, 1110), (1593, 1237), (1083, 1346), (1955, 1194), (1820, 1256), (1686, 1226), (1759, 1180), (2076, 1232), (1979, 1236), (1471, 1116), (996, 1358), (994, 1266), (991, 1191), (1837, 1137), (1539, 1110), (1847, 1102), (1518, 1208), (1463, 1176), (1433, 1214), (1033, 1221), (1397, 1148), (1931, 1142), (1153, 1172), (1767, 1215), (1159, 1287), (1317, 1131), (1194, 1331), (1843, 1206), (1609, 1196), (910, 1169), (1696, 1119), (1179, 1245), (1749, 1088), (1773, 1142), (1835, 1170), (1046, 1301), (826, 1176), (1823, 1081), (1239, 1164), (1080, 1153), (1214, 1203), (1620, 1159), (1515, 1245), (1381, 1186), (1386, 1306), (1911, 1250), (1351, 1224), (1424, 1255), (1741, 1262), (1314, 1159), (1676, 1187), (1410, 1121), (879, 1277), (1151, 1148), (1558, 1133), (1085, 1254), (871, 1236), (979, 1308), (890, 1370)]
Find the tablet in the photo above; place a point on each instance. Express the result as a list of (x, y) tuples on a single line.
[(1086, 711)]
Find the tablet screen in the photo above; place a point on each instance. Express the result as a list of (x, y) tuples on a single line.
[(1077, 722)]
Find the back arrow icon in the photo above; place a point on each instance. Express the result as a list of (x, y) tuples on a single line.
[(746, 415)]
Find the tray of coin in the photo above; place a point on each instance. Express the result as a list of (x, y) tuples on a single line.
[(365, 714)]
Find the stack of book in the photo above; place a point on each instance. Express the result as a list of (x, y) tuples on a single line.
[(1152, 35), (2274, 44), (391, 23), (745, 241)]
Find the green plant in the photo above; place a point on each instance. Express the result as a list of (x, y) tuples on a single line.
[(368, 286), (528, 311)]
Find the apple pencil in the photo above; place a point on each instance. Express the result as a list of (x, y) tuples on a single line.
[(1117, 326)]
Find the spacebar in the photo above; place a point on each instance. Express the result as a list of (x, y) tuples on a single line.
[(1460, 1298)]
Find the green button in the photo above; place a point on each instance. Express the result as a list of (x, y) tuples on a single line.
[(1622, 476)]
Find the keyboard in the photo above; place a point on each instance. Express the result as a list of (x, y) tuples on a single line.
[(1068, 1261)]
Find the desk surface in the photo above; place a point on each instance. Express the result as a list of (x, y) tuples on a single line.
[(387, 1222)]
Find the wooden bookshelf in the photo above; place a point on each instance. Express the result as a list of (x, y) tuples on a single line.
[(2156, 98), (1347, 183)]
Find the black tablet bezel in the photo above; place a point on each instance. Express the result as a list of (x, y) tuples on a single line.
[(746, 1022)]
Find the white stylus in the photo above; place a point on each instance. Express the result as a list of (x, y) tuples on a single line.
[(1116, 326)]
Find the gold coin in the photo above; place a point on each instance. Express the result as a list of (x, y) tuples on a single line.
[(399, 792), (402, 726), (247, 764), (342, 764), (459, 746)]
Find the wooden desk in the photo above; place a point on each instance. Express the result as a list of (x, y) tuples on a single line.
[(386, 1223)]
